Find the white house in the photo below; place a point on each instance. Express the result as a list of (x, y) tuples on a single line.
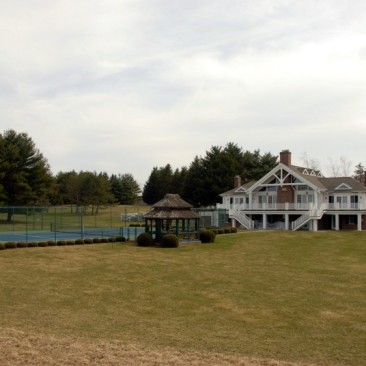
[(290, 197)]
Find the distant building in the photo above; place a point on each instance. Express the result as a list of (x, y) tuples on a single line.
[(290, 197)]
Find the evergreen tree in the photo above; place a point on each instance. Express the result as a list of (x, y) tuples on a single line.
[(360, 173), (151, 191), (25, 176), (125, 188), (159, 183)]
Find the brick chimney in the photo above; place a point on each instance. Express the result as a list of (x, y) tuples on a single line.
[(237, 181), (285, 157)]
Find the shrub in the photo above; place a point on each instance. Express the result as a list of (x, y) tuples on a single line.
[(51, 243), (144, 240), (170, 241), (78, 241), (104, 240), (32, 244), (2, 246), (88, 241), (112, 240), (121, 239), (10, 245), (220, 231), (207, 236), (234, 230), (42, 244), (96, 240), (70, 242), (227, 230), (61, 242), (22, 244)]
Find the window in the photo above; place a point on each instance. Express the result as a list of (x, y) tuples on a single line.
[(342, 201), (354, 201)]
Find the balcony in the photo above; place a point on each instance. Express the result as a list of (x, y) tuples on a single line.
[(292, 206)]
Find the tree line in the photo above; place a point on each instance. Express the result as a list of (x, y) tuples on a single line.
[(208, 176), (26, 178)]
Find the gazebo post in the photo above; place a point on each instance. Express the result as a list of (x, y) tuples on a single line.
[(159, 224)]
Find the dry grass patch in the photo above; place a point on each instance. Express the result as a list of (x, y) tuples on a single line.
[(26, 349)]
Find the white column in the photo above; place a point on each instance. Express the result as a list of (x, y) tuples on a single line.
[(315, 225), (250, 200), (336, 221), (286, 222), (359, 222), (264, 221)]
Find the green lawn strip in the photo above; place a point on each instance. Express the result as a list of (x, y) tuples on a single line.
[(279, 295), (68, 217)]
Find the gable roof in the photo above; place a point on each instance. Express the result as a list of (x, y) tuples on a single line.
[(333, 183), (298, 172), (309, 176), (240, 190), (314, 180)]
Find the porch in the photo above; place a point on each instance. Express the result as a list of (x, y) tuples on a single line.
[(265, 206)]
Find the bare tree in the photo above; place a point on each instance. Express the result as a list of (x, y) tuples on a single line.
[(311, 163), (340, 167)]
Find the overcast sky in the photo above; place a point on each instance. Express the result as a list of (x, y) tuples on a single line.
[(121, 86)]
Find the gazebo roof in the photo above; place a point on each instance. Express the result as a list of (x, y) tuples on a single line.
[(172, 206)]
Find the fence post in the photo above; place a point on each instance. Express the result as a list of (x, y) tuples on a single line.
[(26, 225)]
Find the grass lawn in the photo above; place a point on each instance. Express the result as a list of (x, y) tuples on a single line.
[(296, 297)]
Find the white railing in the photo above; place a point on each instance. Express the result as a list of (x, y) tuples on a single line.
[(302, 220), (315, 213), (292, 206), (243, 219)]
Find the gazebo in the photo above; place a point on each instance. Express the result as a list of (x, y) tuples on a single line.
[(172, 215)]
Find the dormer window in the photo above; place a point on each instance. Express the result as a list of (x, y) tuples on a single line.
[(240, 190), (343, 186)]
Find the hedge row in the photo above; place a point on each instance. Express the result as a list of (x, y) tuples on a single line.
[(167, 241), (49, 243), (227, 230)]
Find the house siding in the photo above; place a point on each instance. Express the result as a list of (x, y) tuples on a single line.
[(291, 197)]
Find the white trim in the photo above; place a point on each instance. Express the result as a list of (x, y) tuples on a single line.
[(342, 187), (240, 190), (281, 168)]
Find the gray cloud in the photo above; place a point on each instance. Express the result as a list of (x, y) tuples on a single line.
[(122, 86)]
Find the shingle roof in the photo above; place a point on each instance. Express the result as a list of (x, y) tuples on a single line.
[(172, 201), (329, 184), (332, 183), (313, 179), (172, 206), (245, 186)]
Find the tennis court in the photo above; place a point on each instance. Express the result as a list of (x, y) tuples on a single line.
[(129, 233)]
